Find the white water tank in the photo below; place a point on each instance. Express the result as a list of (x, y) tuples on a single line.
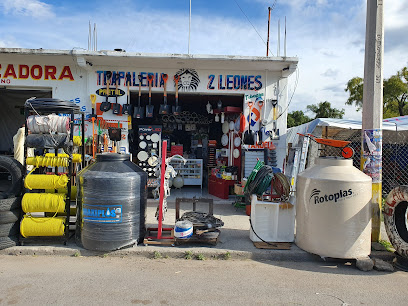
[(333, 215)]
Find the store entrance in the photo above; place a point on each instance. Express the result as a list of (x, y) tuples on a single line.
[(196, 133), (12, 114)]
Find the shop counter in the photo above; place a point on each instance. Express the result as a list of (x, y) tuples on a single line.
[(219, 187)]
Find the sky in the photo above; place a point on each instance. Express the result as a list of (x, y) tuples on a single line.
[(327, 36)]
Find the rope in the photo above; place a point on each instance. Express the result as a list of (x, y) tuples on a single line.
[(43, 202), (43, 226), (77, 141), (43, 181), (50, 160)]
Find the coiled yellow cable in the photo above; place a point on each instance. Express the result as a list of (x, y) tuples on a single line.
[(77, 141), (76, 158), (42, 226), (43, 202), (43, 181)]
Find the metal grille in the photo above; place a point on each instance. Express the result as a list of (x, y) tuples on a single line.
[(394, 154)]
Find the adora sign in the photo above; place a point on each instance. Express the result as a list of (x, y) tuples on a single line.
[(35, 72)]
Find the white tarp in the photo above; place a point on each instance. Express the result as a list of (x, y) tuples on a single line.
[(390, 124)]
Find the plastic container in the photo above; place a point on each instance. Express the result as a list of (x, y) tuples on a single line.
[(272, 221), (112, 203), (183, 229), (333, 217)]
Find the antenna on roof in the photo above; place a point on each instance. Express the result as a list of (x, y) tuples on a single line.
[(278, 51), (92, 38), (95, 37), (284, 46), (89, 36)]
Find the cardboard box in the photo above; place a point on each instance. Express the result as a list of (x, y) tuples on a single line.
[(238, 189)]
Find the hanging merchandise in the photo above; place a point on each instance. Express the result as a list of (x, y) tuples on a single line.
[(47, 141), (77, 141), (209, 108), (222, 117), (236, 153), (249, 136), (105, 106), (76, 158), (237, 141), (217, 118), (45, 161), (274, 134), (139, 110), (93, 102), (43, 181), (43, 202), (48, 124), (127, 108), (225, 127), (150, 107), (116, 106), (177, 108), (242, 123), (164, 108), (44, 226), (224, 139), (260, 127)]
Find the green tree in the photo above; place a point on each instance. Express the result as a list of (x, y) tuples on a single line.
[(395, 94), (355, 88), (324, 110), (296, 118)]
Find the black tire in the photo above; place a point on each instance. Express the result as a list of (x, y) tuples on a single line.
[(10, 204), (7, 242), (9, 229), (395, 219), (9, 216), (16, 171)]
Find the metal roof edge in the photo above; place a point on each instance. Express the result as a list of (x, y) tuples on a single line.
[(112, 53)]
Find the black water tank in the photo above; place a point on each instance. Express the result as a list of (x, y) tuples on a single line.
[(112, 203)]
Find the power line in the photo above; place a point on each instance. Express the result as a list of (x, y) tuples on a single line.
[(272, 7)]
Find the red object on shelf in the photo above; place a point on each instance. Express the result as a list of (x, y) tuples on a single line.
[(177, 150), (232, 109), (219, 187)]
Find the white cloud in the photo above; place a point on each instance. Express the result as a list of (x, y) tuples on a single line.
[(32, 8), (329, 47)]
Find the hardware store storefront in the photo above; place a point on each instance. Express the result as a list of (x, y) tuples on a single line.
[(205, 125)]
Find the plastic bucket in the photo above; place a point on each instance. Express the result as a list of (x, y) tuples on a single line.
[(183, 229)]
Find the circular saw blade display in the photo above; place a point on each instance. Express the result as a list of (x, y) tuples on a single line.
[(149, 143)]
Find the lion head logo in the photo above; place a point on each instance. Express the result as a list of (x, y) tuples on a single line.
[(189, 79)]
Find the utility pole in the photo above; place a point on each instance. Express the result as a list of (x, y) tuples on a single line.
[(371, 142)]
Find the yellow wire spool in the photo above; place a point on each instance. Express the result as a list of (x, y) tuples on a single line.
[(48, 161), (43, 202), (64, 190), (76, 158), (43, 181), (77, 141), (42, 226)]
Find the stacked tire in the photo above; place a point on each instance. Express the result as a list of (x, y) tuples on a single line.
[(10, 202), (396, 219)]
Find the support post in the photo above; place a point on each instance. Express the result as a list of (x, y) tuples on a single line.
[(371, 142)]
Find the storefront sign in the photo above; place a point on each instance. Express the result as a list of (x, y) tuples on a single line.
[(189, 80), (234, 82), (36, 72), (113, 92)]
